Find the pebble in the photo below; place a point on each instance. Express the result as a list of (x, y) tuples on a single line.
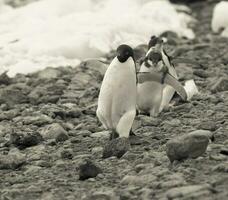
[(192, 145), (66, 154), (116, 147), (140, 180), (189, 191), (104, 134), (12, 161), (220, 85), (38, 120), (222, 167), (24, 140), (88, 170), (208, 125), (55, 131)]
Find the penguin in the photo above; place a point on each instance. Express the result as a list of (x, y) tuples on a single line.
[(117, 97), (149, 94)]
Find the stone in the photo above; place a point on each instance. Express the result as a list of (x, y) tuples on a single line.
[(38, 120), (11, 95), (116, 147), (66, 154), (24, 140), (138, 180), (104, 134), (49, 73), (55, 131), (102, 195), (192, 145), (5, 79), (12, 161), (222, 167), (220, 85), (88, 170), (189, 191), (208, 125)]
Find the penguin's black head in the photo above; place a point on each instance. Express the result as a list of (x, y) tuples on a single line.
[(154, 41), (124, 52), (155, 57)]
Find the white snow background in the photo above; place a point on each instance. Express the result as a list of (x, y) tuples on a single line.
[(63, 32)]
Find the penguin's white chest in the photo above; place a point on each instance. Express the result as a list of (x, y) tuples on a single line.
[(149, 94), (118, 92)]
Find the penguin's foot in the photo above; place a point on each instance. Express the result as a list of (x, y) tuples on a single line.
[(113, 135), (116, 147)]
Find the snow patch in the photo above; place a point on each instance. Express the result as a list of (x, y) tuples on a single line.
[(63, 32)]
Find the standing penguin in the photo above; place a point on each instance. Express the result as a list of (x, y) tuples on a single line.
[(117, 99), (153, 96)]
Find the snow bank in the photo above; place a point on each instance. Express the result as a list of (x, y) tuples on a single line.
[(220, 18), (62, 32)]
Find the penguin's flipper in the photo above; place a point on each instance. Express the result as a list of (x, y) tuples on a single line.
[(185, 60), (169, 80)]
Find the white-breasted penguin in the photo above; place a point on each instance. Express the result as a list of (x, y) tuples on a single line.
[(117, 98), (152, 96)]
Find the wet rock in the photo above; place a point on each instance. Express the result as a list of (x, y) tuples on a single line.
[(24, 140), (116, 147), (55, 131), (12, 161), (220, 85), (191, 191), (192, 145), (88, 170)]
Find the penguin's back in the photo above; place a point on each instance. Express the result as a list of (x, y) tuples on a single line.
[(118, 91)]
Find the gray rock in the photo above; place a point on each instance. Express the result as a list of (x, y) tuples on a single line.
[(116, 147), (38, 120), (88, 170), (49, 73), (102, 195), (54, 131), (12, 161), (24, 140), (191, 191), (66, 154), (104, 134), (220, 85), (208, 125), (12, 95), (223, 167), (5, 79), (192, 145), (139, 180)]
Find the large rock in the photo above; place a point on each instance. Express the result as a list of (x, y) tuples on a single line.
[(88, 169), (24, 140), (12, 161), (191, 145), (55, 131), (220, 85)]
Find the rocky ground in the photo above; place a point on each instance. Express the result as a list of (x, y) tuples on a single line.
[(51, 142)]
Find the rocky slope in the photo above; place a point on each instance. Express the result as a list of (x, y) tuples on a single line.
[(51, 142)]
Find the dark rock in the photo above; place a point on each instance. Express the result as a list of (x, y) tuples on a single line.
[(220, 85), (201, 73), (66, 154), (224, 151), (24, 140), (191, 145), (5, 79), (116, 147), (88, 170)]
